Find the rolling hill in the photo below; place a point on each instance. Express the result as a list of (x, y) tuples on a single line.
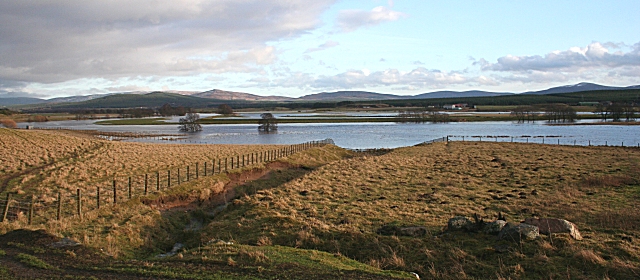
[(231, 95)]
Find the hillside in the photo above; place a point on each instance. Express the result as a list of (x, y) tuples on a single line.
[(348, 95), (11, 101), (230, 95)]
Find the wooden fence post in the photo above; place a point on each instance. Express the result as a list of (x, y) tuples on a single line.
[(169, 178), (98, 197), (237, 161), (157, 180), (6, 208), (145, 184), (197, 171), (219, 166), (225, 165), (129, 187), (59, 210), (178, 176), (205, 169), (33, 198), (79, 203), (115, 193), (187, 173)]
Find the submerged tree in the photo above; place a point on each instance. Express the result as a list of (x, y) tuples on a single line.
[(190, 123), (268, 123)]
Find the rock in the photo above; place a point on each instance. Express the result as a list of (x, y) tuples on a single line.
[(65, 242), (174, 250), (551, 225), (519, 232), (494, 227), (413, 231), (459, 223)]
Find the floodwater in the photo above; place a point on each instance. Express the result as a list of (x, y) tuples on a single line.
[(380, 135)]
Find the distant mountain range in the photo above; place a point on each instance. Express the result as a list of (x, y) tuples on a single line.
[(221, 95)]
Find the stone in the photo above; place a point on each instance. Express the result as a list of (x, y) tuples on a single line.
[(551, 225), (459, 223), (65, 242), (412, 231), (494, 227), (519, 232)]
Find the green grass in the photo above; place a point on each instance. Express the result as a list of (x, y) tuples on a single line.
[(33, 261)]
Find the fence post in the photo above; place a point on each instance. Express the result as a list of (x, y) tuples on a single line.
[(59, 210), (178, 176), (129, 187), (33, 198), (98, 197), (79, 203), (219, 166), (238, 161), (6, 208), (197, 171), (115, 193), (205, 169), (145, 183)]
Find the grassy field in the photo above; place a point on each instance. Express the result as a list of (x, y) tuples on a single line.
[(316, 214), (339, 207)]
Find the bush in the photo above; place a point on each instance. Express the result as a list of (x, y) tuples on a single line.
[(9, 123)]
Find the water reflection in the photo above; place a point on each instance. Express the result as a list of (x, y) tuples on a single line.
[(381, 135)]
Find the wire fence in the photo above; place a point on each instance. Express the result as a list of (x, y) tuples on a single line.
[(542, 139), (32, 209)]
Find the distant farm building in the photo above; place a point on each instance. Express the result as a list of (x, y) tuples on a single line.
[(454, 106)]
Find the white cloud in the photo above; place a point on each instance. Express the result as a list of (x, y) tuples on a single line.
[(350, 20), (326, 45), (58, 41), (595, 55)]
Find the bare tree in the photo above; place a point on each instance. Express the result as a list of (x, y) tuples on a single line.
[(190, 123), (268, 123)]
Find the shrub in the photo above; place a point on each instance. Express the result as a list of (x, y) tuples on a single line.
[(9, 123)]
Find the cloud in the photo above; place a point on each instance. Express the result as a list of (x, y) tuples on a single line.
[(58, 41), (595, 55), (326, 45), (350, 20), (417, 62)]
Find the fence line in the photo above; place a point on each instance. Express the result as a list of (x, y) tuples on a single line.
[(548, 140), (121, 189)]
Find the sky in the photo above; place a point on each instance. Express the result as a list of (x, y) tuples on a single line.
[(299, 47)]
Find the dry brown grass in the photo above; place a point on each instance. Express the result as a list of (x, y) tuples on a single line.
[(342, 204), (45, 162)]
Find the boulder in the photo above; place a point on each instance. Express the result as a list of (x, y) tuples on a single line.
[(494, 227), (519, 232), (551, 225), (413, 231), (459, 223)]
